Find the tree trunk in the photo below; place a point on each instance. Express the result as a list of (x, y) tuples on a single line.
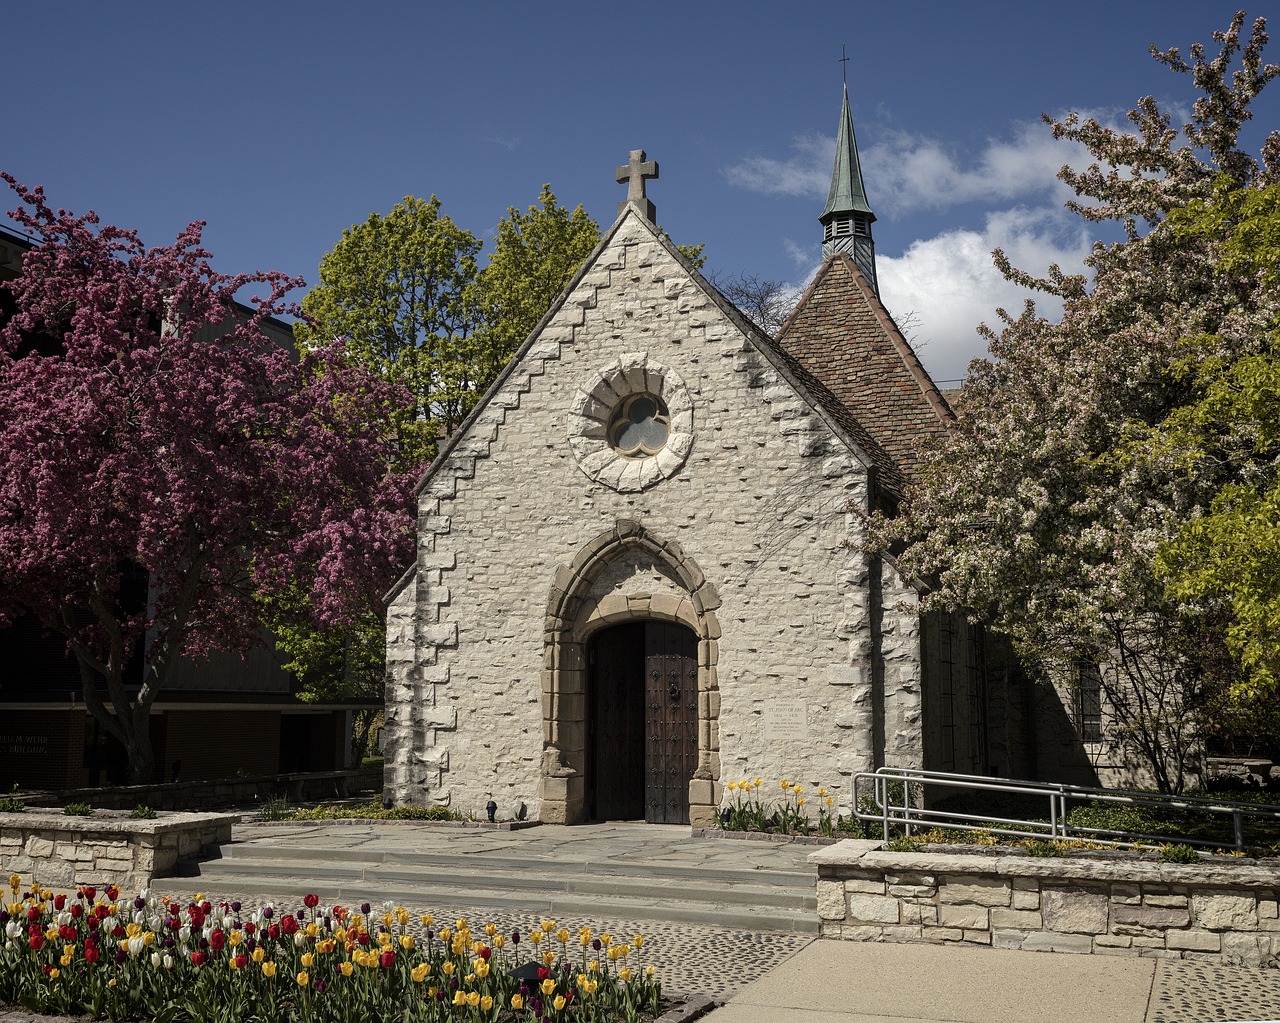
[(141, 769)]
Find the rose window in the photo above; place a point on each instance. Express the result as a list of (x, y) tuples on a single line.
[(640, 426)]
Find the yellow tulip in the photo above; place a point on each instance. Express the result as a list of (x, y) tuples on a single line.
[(402, 915), (459, 997), (649, 971), (591, 986), (548, 957), (638, 941), (346, 969), (796, 789), (499, 941), (461, 923), (407, 942), (625, 975), (800, 801), (258, 954), (303, 979), (490, 929), (606, 939), (548, 986), (732, 786), (562, 936), (517, 1002), (784, 784), (548, 926), (473, 998), (419, 972), (559, 1003), (830, 801), (234, 938), (307, 960), (447, 968), (313, 929), (535, 936), (427, 919), (15, 882), (388, 918), (758, 782), (482, 969), (486, 1003), (594, 965), (269, 969), (54, 973), (822, 791)]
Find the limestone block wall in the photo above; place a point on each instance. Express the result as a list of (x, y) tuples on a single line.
[(756, 532), (62, 852), (1219, 911)]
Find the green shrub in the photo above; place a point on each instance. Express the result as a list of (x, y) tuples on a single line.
[(275, 809), (903, 843), (142, 813), (78, 810), (12, 803), (1181, 853), (1038, 847)]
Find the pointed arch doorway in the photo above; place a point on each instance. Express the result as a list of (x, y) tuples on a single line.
[(642, 721)]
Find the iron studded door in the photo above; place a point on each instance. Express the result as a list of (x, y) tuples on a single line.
[(671, 721)]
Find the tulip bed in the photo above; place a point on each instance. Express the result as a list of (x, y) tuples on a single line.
[(747, 810), (154, 959)]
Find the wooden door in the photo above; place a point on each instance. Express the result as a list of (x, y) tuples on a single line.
[(615, 722), (671, 721)]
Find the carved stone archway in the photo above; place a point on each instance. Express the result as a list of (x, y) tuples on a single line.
[(573, 615)]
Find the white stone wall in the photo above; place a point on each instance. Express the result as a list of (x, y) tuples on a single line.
[(763, 505)]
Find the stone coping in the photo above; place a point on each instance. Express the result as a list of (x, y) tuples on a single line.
[(113, 822), (1222, 871)]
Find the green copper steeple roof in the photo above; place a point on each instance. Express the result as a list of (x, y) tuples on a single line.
[(847, 193)]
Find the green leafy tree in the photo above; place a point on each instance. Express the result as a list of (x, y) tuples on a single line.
[(396, 292), (535, 255), (1043, 511), (1227, 436)]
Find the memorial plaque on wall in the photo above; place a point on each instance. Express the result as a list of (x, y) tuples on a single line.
[(785, 721)]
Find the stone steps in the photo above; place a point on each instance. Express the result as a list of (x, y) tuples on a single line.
[(565, 888)]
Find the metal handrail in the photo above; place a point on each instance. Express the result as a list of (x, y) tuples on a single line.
[(903, 813)]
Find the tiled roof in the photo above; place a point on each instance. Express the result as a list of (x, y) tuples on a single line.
[(844, 336)]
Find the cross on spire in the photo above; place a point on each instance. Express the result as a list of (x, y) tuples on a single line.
[(844, 60), (634, 174)]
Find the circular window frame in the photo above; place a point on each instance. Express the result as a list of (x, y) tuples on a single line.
[(594, 416)]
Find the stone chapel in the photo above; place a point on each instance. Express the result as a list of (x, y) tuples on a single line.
[(639, 571)]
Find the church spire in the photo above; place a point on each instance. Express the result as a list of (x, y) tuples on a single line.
[(846, 220)]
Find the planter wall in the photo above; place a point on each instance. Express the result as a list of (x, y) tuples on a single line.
[(1220, 910), (62, 852)]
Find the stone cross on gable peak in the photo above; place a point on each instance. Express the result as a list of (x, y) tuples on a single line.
[(634, 174)]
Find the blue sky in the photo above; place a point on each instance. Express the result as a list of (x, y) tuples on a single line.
[(283, 123)]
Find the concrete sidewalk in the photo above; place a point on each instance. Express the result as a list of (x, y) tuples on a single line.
[(831, 981)]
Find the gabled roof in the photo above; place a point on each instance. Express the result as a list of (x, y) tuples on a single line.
[(846, 338), (807, 385)]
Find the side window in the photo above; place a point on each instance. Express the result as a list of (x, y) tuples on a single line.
[(1087, 700)]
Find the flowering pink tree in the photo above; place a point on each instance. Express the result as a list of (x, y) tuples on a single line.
[(1045, 511), (149, 425)]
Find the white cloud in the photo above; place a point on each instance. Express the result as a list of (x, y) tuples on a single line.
[(951, 285), (906, 172), (806, 173)]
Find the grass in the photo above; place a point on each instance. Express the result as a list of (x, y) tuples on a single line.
[(371, 810)]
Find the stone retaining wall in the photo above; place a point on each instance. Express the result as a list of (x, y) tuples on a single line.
[(63, 852), (1219, 910)]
